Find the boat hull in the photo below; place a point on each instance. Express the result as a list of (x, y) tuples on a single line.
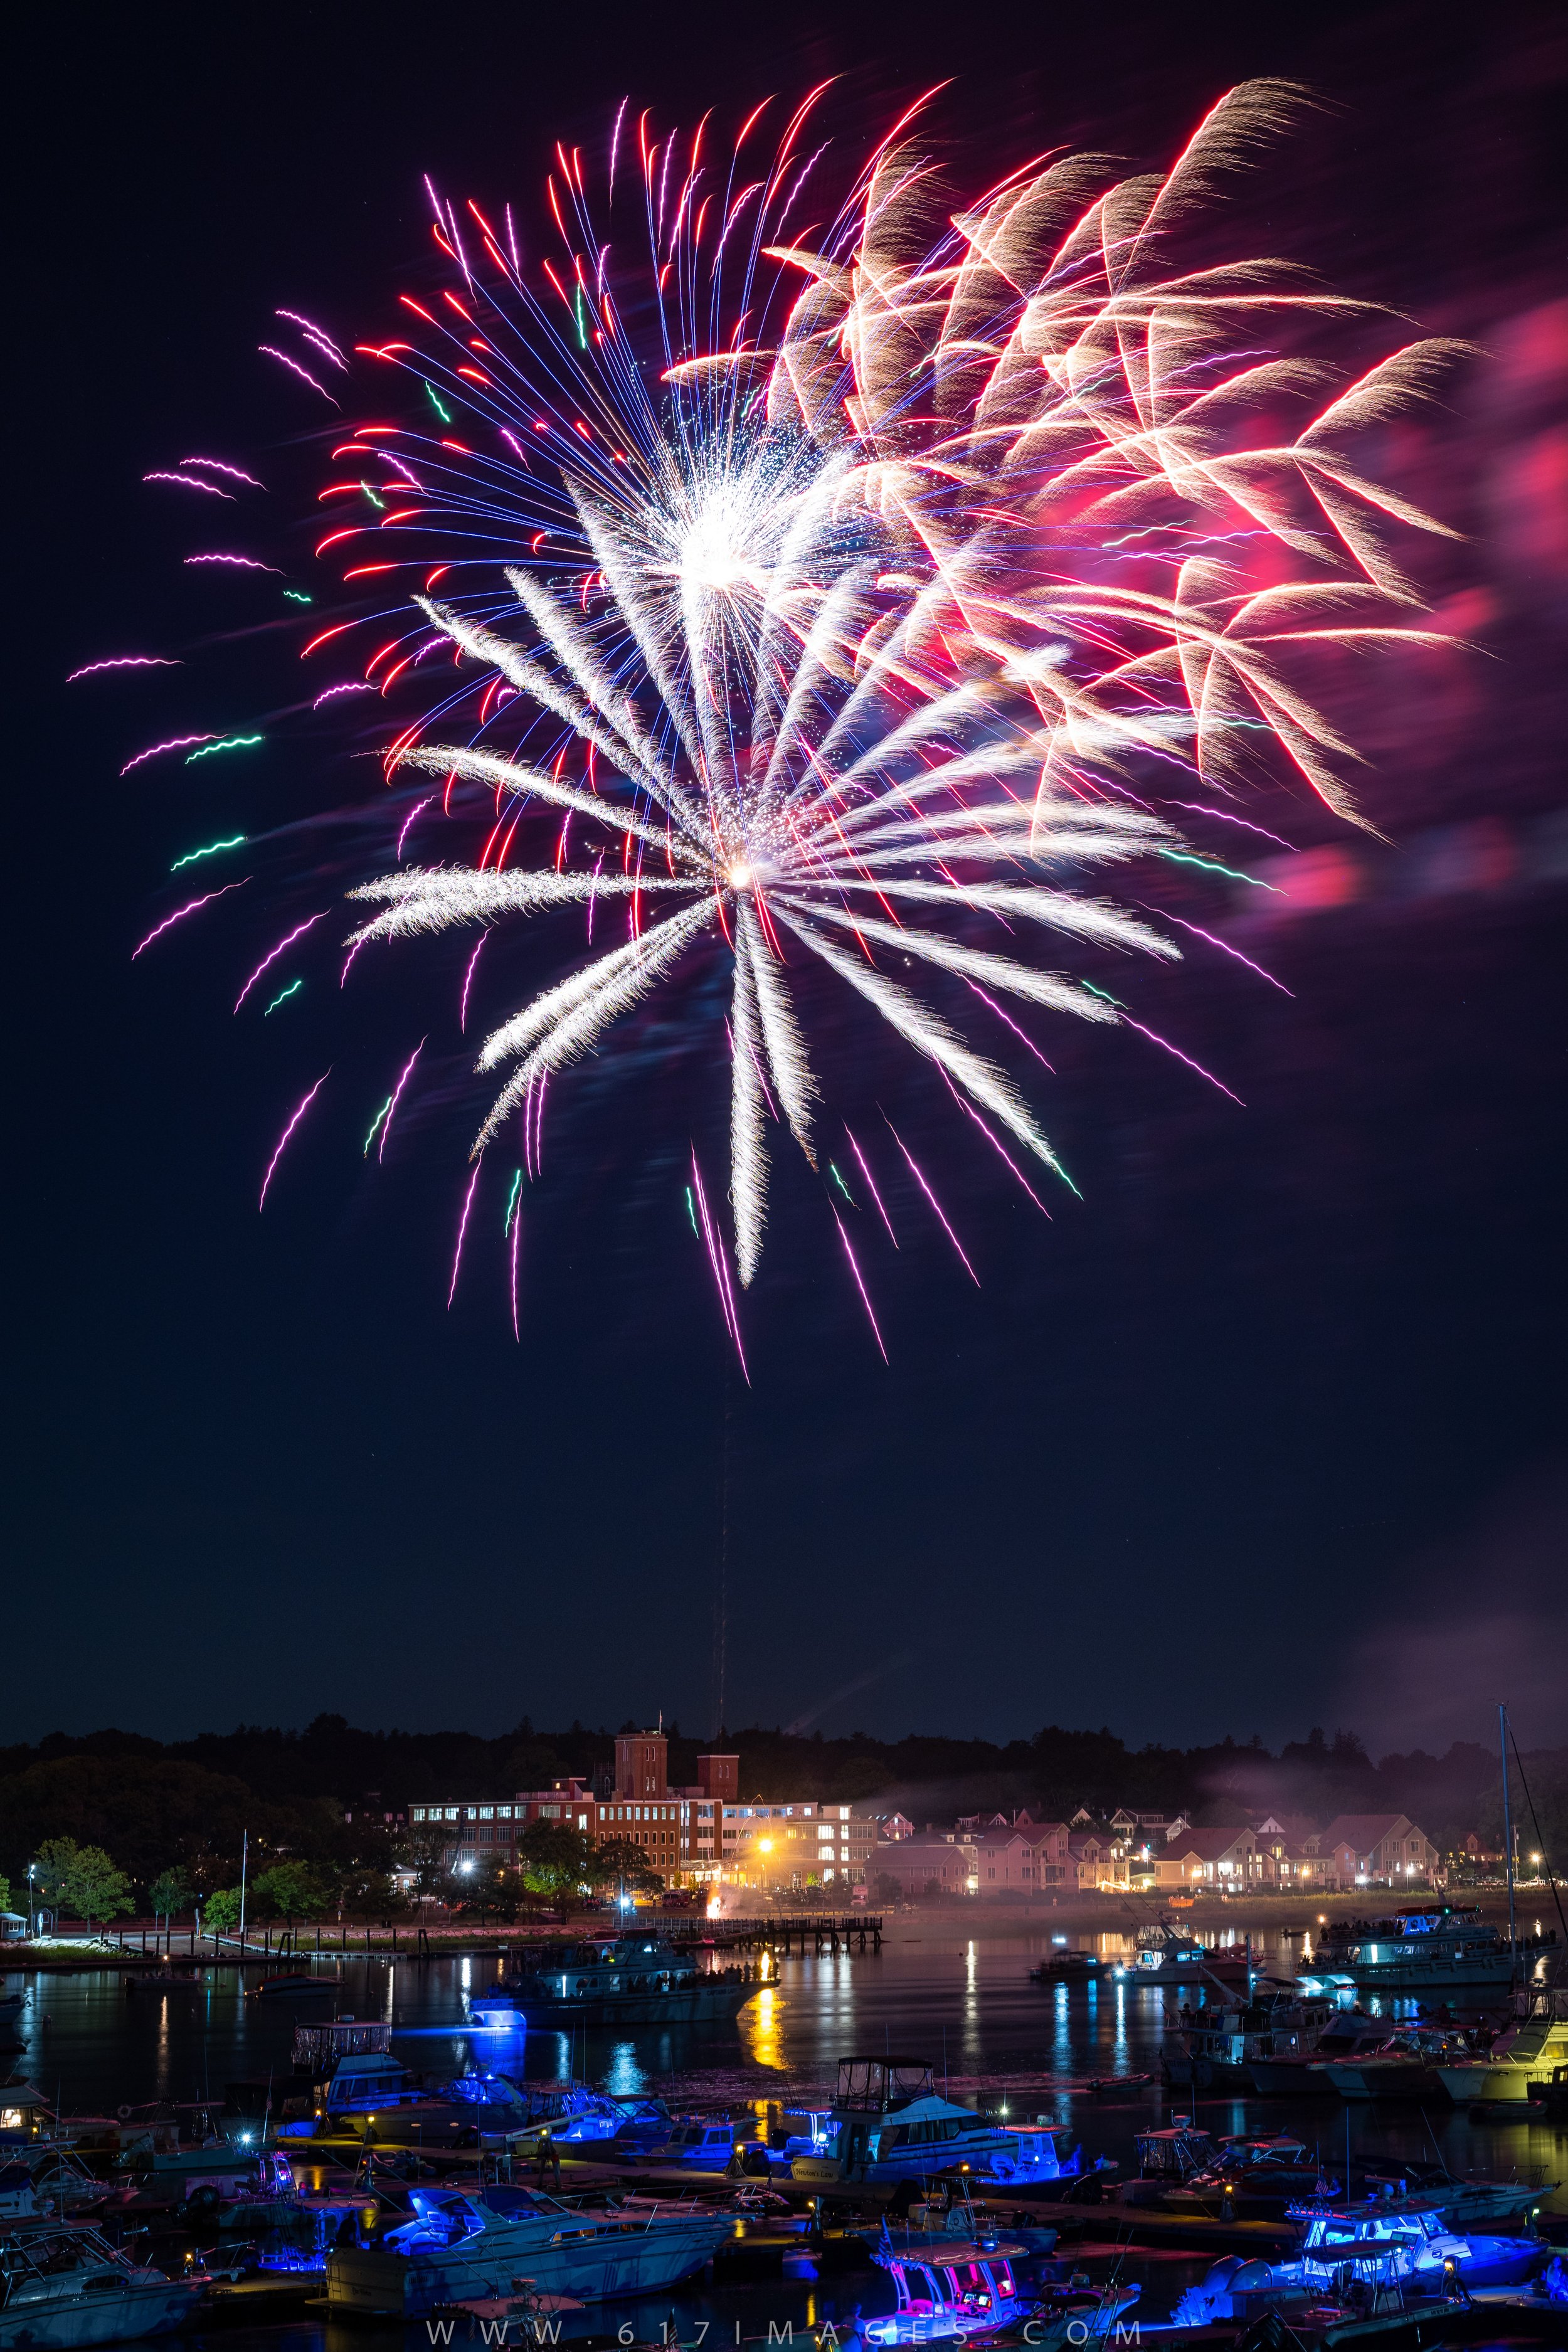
[(1289, 2078), (590, 2269), (121, 2315), (1382, 2081), (1469, 2084)]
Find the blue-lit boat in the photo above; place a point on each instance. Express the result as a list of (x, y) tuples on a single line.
[(369, 2095), (963, 2290), (1422, 1951), (888, 2123), (616, 1980), (1363, 2257), (466, 2248)]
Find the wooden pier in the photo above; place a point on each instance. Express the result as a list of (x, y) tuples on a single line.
[(779, 1933)]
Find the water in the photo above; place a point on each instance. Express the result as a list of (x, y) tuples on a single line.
[(962, 2001)]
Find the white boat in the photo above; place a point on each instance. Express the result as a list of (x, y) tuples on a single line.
[(460, 2247), (1534, 2044), (1360, 2255), (889, 2123), (62, 2285), (963, 2290)]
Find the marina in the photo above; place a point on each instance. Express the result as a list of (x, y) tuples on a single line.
[(376, 2152)]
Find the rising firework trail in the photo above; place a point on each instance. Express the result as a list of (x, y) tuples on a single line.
[(828, 599)]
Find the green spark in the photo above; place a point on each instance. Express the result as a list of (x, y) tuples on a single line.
[(516, 1182), (842, 1185), (298, 596), (376, 1122), (444, 414), (690, 1211), (284, 999), (582, 331), (228, 744), (1102, 993), (210, 851), (379, 504), (1211, 865)]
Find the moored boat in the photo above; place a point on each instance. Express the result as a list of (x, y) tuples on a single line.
[(612, 1980), (459, 2248), (1533, 2046), (62, 2285), (888, 2123)]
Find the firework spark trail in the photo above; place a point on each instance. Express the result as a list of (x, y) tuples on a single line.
[(1226, 949), (871, 1187), (191, 482), (516, 1243), (123, 661), (467, 983), (225, 743), (1154, 1037), (396, 1097), (273, 953), (931, 1196), (175, 743), (218, 467), (860, 1286), (287, 1131), (238, 562), (462, 1229), (159, 929), (716, 1259), (235, 842), (417, 810), (267, 351), (866, 606)]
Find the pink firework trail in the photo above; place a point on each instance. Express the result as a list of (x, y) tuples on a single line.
[(218, 467), (860, 1285), (1226, 949), (289, 1131), (408, 821), (871, 1186), (516, 1244), (273, 953), (397, 1097), (175, 743), (123, 661), (720, 1271), (157, 932), (1155, 1039), (462, 1229), (191, 482), (267, 351), (936, 1204), (236, 562), (997, 1147), (467, 983)]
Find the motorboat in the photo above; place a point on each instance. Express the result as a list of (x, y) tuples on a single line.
[(948, 2290), (572, 2113), (62, 2285), (1533, 2046), (1238, 2177), (889, 2123), (1423, 1951), (296, 1988), (1032, 2157), (1356, 2260), (456, 2248), (370, 2095), (1219, 2041), (1300, 2073), (164, 1981), (705, 2142), (1404, 2067), (1456, 2203), (618, 1980)]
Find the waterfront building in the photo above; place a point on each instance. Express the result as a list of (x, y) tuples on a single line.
[(1375, 1849), (1225, 1858), (935, 1864), (1023, 1857), (700, 1835)]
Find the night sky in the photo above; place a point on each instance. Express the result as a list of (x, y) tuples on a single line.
[(1267, 1431)]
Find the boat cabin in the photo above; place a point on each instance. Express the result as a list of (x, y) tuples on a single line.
[(960, 2290)]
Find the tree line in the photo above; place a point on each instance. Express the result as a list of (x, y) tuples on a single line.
[(170, 1819)]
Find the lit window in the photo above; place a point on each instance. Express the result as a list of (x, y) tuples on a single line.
[(451, 1813), (486, 1812), (418, 1812), (503, 1812)]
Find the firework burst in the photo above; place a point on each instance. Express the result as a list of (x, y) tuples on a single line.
[(840, 585)]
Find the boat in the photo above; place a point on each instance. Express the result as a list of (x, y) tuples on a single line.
[(489, 2242), (948, 2290), (167, 1980), (1174, 1952), (706, 2142), (1238, 2177), (1535, 2044), (370, 2095), (297, 1986), (1031, 2159), (889, 2123), (572, 2112), (1070, 1966), (1301, 2073), (1404, 2067), (1421, 1951), (1219, 2041), (62, 2285), (611, 1980), (1469, 2203)]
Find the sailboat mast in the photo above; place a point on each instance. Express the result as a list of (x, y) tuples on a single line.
[(1508, 1836)]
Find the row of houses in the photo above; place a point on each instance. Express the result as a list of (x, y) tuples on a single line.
[(1284, 1854)]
